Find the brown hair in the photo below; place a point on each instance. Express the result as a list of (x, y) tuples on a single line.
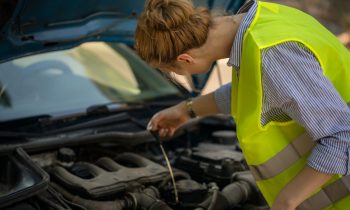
[(168, 28)]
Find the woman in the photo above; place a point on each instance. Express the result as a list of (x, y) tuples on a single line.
[(289, 92)]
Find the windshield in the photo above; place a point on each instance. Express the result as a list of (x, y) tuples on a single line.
[(92, 73)]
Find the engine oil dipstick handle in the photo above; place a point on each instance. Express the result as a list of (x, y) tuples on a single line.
[(156, 136)]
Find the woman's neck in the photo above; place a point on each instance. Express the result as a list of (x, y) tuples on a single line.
[(221, 36)]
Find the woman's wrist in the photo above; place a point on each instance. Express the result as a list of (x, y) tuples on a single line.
[(201, 106), (189, 108), (182, 108)]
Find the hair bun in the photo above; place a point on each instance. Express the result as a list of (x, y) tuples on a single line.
[(167, 28), (168, 14)]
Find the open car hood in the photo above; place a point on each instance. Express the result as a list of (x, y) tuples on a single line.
[(40, 26)]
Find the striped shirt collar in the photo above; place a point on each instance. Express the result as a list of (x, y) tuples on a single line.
[(236, 50)]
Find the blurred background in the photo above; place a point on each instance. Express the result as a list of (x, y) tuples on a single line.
[(334, 14)]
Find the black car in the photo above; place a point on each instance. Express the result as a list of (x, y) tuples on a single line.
[(74, 103)]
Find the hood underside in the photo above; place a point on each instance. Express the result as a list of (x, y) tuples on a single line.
[(41, 25), (30, 27)]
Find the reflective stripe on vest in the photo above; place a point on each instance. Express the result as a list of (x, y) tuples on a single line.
[(284, 159)]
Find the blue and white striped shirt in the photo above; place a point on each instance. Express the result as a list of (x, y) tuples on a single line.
[(294, 87)]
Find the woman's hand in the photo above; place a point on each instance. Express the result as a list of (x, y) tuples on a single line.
[(168, 120)]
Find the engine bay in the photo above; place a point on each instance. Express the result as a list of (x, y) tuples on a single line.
[(209, 171)]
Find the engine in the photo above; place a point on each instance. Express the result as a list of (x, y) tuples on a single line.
[(209, 170)]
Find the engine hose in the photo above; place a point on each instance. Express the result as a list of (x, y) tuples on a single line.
[(230, 197), (215, 201), (147, 200), (214, 198), (91, 204), (177, 174), (237, 192)]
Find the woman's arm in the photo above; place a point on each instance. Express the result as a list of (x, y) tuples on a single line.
[(300, 188)]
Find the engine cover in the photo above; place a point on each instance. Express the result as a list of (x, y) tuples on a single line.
[(107, 176), (211, 162)]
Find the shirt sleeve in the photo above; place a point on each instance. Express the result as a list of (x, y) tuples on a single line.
[(222, 98), (294, 82)]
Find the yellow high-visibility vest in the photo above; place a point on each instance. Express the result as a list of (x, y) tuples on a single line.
[(278, 151)]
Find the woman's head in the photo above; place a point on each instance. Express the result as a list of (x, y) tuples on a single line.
[(169, 28)]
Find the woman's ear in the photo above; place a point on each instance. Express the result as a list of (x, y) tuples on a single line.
[(185, 58)]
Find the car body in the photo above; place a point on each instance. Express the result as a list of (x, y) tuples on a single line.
[(75, 100)]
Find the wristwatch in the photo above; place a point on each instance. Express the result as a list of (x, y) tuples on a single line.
[(189, 108)]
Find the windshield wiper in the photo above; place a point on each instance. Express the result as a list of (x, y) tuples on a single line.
[(43, 125), (121, 106), (11, 134), (117, 118), (114, 106), (25, 121), (6, 127)]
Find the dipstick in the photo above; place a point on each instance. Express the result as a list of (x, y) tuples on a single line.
[(156, 136)]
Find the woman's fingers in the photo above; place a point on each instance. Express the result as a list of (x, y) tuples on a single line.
[(163, 132), (153, 123), (149, 126), (157, 124)]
